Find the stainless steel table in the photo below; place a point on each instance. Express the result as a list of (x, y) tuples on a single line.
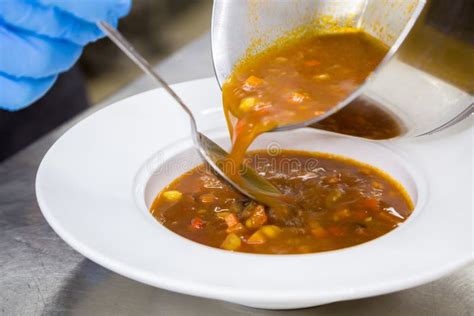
[(40, 274)]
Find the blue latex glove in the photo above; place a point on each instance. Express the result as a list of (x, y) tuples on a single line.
[(41, 38)]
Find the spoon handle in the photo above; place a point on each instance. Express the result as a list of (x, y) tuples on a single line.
[(212, 152), (122, 43)]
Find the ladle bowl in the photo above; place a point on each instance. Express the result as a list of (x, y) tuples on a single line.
[(426, 79)]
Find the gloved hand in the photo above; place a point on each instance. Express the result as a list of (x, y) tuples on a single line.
[(41, 38)]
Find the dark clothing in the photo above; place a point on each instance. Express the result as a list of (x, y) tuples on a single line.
[(66, 99)]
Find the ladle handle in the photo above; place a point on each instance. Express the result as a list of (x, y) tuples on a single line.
[(116, 37)]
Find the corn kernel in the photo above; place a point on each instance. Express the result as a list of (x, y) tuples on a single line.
[(247, 104), (271, 231), (321, 77), (231, 242), (281, 59), (253, 81), (172, 195)]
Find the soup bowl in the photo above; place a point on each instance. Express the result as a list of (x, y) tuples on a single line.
[(95, 185)]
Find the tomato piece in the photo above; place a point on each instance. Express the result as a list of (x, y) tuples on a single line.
[(197, 223), (337, 231)]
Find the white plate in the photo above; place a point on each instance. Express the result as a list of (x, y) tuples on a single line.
[(96, 181)]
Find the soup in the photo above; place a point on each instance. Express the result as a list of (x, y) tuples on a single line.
[(338, 203), (327, 202), (292, 81), (361, 118)]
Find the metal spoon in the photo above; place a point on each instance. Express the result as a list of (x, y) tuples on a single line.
[(252, 185)]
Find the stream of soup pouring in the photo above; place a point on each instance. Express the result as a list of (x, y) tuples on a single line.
[(292, 81)]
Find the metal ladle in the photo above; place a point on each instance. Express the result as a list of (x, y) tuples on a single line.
[(426, 80), (252, 184)]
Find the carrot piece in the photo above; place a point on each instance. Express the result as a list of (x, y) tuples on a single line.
[(371, 204), (312, 62), (197, 223), (337, 231), (319, 232), (237, 228), (231, 220)]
